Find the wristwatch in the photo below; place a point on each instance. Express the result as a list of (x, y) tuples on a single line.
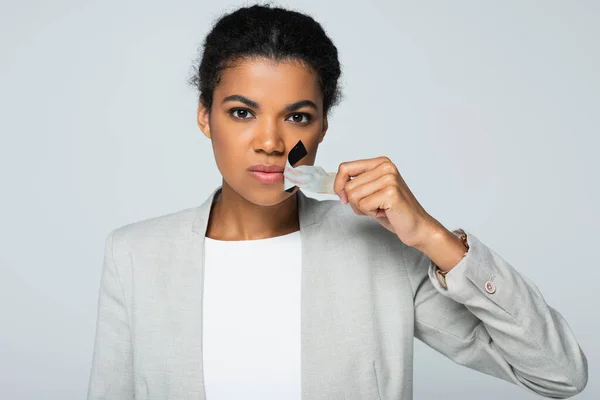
[(441, 275)]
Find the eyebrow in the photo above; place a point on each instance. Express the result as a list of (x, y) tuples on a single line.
[(290, 107), (299, 104), (241, 99)]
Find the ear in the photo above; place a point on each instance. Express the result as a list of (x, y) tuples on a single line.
[(324, 131), (203, 116)]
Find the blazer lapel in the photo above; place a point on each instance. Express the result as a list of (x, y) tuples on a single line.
[(195, 261)]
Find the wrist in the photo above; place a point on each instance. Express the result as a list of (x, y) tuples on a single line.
[(444, 248)]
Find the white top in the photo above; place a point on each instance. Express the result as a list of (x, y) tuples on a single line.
[(251, 335)]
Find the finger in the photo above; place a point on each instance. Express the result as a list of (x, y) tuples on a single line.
[(356, 210), (385, 168), (350, 169), (356, 195), (343, 196), (383, 199)]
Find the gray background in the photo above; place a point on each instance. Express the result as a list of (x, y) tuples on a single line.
[(489, 109)]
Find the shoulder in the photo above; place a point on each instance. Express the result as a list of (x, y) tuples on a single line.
[(153, 233)]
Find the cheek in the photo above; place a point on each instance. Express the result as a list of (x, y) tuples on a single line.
[(224, 146), (312, 145), (227, 153), (223, 135)]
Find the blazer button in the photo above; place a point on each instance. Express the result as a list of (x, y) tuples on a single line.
[(490, 287)]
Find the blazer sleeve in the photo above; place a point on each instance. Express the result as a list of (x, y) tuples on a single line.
[(507, 331), (111, 374)]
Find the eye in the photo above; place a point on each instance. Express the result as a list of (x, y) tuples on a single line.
[(240, 113), (300, 118)]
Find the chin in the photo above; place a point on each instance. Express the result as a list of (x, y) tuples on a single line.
[(269, 197), (264, 195)]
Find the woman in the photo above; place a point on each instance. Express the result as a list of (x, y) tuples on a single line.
[(269, 294)]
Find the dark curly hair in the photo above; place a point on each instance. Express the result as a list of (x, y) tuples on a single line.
[(271, 32)]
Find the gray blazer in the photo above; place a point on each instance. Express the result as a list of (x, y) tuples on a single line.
[(365, 295)]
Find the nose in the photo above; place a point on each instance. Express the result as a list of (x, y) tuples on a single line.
[(268, 137)]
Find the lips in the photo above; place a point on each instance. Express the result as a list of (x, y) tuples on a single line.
[(267, 168), (267, 173)]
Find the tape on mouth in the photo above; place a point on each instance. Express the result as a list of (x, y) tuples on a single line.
[(307, 177)]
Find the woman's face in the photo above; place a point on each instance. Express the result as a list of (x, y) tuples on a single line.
[(261, 108)]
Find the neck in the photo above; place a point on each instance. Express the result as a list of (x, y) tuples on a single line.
[(233, 217)]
